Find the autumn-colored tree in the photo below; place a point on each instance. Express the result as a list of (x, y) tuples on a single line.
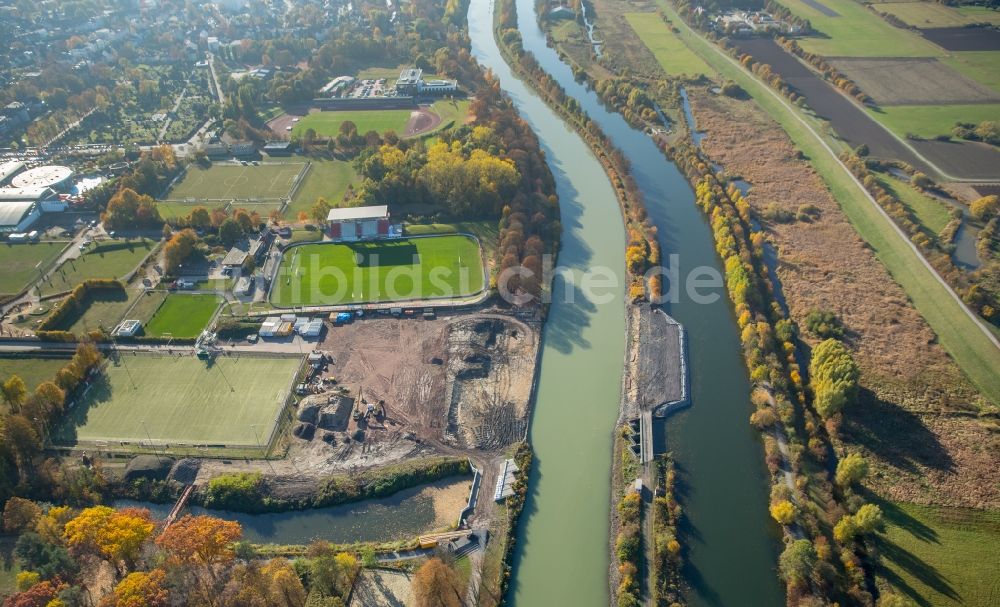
[(21, 437), (14, 392), (200, 539), (230, 232), (437, 585), (20, 514), (142, 589), (985, 208), (117, 535), (49, 397), (52, 524), (851, 469), (783, 512), (129, 209), (199, 218), (242, 217), (834, 377), (284, 587), (797, 561), (178, 249), (39, 595), (320, 210)]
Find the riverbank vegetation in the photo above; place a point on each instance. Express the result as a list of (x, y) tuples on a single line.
[(666, 513), (643, 251), (255, 493), (131, 560)]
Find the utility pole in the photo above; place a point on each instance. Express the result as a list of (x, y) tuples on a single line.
[(261, 447), (149, 438)]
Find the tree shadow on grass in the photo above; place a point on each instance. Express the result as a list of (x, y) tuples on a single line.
[(912, 564), (897, 517), (894, 434)]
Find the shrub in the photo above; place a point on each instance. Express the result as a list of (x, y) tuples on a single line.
[(824, 324), (775, 213), (985, 208)]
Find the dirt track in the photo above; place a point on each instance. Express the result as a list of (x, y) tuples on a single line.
[(422, 120), (855, 127)]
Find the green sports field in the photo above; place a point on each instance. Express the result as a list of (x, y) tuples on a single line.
[(182, 315), (224, 182), (396, 270), (327, 124), (107, 259), (182, 400)]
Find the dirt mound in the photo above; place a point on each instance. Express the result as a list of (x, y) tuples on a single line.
[(148, 466), (186, 471)]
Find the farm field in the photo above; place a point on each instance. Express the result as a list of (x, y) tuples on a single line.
[(932, 14), (102, 260), (327, 124), (960, 335), (914, 81), (225, 182), (673, 55), (32, 370), (929, 121), (327, 179), (181, 399), (334, 274), (857, 32), (942, 557), (19, 262), (183, 315)]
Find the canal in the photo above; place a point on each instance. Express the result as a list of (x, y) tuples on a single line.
[(562, 557)]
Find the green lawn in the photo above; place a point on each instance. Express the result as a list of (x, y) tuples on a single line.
[(933, 14), (32, 370), (326, 179), (673, 55), (182, 399), (224, 182), (102, 313), (942, 557), (487, 231), (930, 212), (112, 259), (930, 121), (453, 112), (858, 32), (19, 262), (397, 270), (327, 124), (183, 315), (959, 334)]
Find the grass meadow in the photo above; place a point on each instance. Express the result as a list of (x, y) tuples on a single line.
[(940, 557), (673, 55), (857, 32), (932, 14), (181, 399), (395, 270), (19, 262), (32, 370), (112, 259), (327, 124)]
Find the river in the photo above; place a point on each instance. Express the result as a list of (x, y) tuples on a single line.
[(562, 556)]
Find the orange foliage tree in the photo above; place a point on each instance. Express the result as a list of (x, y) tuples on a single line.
[(200, 539)]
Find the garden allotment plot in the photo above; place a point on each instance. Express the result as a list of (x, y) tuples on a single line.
[(181, 400), (382, 271), (225, 182)]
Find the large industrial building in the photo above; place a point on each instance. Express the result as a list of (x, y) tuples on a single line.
[(358, 223), (29, 193)]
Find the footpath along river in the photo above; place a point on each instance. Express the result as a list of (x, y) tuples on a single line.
[(562, 555)]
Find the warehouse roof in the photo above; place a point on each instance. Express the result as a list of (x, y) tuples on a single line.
[(11, 213), (357, 213)]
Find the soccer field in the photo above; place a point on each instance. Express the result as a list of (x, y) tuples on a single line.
[(181, 400), (182, 315), (222, 182), (327, 124), (367, 272)]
